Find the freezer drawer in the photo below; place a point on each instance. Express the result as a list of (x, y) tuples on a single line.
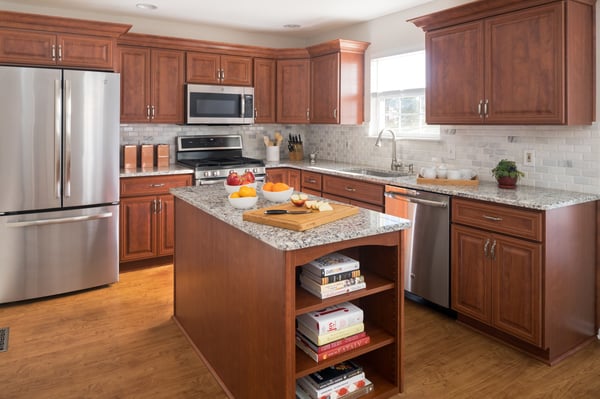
[(51, 253)]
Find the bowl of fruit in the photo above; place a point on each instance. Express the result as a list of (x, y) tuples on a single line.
[(244, 198), (234, 181), (277, 192)]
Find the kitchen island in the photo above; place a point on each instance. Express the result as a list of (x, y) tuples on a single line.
[(237, 295)]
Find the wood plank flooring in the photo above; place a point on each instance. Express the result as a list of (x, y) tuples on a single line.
[(120, 342)]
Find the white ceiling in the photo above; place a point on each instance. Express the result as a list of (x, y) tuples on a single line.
[(261, 16)]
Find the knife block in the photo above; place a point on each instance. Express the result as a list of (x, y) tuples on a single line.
[(297, 152)]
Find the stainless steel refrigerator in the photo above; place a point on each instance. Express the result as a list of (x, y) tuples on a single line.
[(59, 176)]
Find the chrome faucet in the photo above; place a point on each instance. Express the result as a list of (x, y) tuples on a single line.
[(396, 165)]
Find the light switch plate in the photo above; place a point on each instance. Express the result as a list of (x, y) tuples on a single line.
[(529, 157)]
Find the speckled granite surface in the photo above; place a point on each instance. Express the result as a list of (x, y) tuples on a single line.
[(522, 196), (213, 200), (172, 169)]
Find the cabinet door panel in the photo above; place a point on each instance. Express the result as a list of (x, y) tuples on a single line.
[(82, 51), (137, 228), (455, 81), (471, 288), (325, 88), (202, 68), (26, 47), (135, 84), (524, 72), (166, 225), (293, 91), (167, 86), (264, 90), (237, 71), (517, 300)]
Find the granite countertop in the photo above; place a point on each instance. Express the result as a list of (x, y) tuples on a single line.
[(172, 169), (523, 196), (213, 200)]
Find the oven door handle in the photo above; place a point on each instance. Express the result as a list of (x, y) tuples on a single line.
[(419, 201)]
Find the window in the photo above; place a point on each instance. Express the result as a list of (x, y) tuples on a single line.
[(398, 96)]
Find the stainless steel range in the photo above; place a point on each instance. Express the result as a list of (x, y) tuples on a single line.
[(214, 157)]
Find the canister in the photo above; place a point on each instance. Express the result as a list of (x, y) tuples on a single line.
[(129, 156), (146, 156), (162, 155)]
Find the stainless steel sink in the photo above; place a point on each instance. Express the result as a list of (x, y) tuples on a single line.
[(376, 172)]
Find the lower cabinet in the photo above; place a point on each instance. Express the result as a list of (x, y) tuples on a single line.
[(356, 192), (146, 227), (515, 277), (289, 176)]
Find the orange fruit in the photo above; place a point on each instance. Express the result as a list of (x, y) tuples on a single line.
[(235, 195), (268, 186), (280, 187), (246, 191)]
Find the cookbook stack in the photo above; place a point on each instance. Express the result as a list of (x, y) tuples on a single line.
[(331, 331), (331, 275), (343, 380)]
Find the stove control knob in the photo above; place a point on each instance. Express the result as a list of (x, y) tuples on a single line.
[(255, 170), (215, 173), (207, 174)]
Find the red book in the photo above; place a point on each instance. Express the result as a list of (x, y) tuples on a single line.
[(338, 350), (331, 345)]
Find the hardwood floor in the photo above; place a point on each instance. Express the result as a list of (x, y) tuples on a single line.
[(120, 342)]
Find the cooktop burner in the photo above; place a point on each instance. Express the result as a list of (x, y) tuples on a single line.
[(221, 162)]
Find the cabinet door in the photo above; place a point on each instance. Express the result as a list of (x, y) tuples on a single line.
[(167, 86), (202, 68), (20, 47), (455, 80), (166, 225), (293, 91), (294, 179), (471, 274), (325, 88), (137, 228), (517, 281), (236, 70), (264, 90), (85, 51), (524, 67), (277, 175), (135, 84)]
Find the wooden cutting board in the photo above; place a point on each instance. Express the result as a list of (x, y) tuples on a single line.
[(299, 222)]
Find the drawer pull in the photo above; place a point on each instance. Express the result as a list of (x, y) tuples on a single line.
[(311, 181), (492, 218), (157, 185), (351, 189)]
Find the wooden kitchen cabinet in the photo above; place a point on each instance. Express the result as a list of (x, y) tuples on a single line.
[(289, 176), (508, 62), (293, 91), (355, 192), (337, 82), (312, 182), (265, 77), (152, 85), (516, 275), (146, 216), (218, 69)]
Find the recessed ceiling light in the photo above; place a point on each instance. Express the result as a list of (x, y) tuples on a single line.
[(291, 26), (146, 6)]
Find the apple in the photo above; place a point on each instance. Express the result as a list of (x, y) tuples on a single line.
[(298, 199), (233, 179), (248, 177)]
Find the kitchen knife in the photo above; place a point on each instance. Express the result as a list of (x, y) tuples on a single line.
[(284, 211)]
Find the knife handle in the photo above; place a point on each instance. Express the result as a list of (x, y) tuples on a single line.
[(275, 212)]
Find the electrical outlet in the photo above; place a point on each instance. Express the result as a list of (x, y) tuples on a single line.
[(450, 151), (529, 157)]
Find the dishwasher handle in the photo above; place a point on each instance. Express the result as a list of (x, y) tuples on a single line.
[(437, 204)]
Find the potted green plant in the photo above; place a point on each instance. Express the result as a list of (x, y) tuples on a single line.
[(507, 174)]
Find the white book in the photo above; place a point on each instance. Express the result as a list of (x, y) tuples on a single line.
[(333, 263)]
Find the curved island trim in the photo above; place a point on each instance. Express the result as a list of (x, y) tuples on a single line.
[(236, 293)]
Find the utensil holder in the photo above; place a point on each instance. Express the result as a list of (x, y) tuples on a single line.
[(273, 153)]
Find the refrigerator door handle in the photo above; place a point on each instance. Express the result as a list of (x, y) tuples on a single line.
[(42, 222), (68, 107), (57, 138)]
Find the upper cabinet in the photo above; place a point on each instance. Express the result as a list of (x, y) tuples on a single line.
[(218, 69), (151, 85), (511, 62), (27, 39), (337, 82), (265, 75), (293, 91)]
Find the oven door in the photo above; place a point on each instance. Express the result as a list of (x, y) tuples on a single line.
[(207, 104)]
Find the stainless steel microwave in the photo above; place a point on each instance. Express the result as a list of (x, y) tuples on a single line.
[(219, 105)]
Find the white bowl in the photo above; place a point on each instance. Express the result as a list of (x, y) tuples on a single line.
[(233, 189), (278, 196), (454, 174), (242, 202)]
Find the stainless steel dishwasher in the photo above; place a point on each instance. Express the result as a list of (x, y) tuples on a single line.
[(426, 245)]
